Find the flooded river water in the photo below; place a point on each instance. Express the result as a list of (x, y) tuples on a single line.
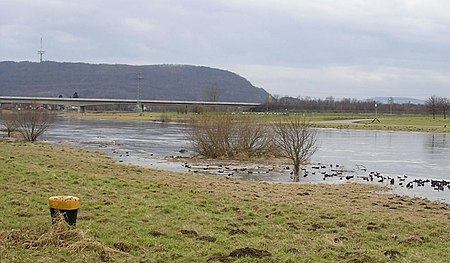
[(361, 156)]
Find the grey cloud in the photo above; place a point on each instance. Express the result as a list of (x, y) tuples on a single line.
[(344, 48)]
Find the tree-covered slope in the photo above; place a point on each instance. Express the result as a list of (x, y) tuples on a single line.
[(164, 82)]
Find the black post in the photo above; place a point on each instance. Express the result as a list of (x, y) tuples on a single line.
[(65, 205)]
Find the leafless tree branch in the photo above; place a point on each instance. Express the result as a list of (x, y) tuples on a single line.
[(33, 123), (296, 139), (8, 120)]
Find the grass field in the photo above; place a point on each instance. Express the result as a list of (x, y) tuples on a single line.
[(416, 123), (411, 123), (133, 214), (173, 116)]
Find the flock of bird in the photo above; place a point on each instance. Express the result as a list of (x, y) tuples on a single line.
[(317, 171), (326, 172), (373, 176), (228, 170)]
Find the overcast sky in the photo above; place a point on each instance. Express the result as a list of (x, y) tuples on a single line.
[(320, 48)]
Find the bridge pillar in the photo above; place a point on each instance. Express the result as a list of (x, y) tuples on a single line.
[(82, 109)]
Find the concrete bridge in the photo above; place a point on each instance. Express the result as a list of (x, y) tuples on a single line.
[(83, 102)]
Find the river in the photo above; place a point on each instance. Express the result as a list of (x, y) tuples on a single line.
[(402, 156)]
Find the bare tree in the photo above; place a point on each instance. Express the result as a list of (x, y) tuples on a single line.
[(212, 93), (444, 104), (432, 103), (297, 140), (8, 119), (33, 123)]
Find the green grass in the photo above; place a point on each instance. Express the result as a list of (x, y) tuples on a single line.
[(415, 123), (410, 123), (173, 116), (201, 218), (394, 123)]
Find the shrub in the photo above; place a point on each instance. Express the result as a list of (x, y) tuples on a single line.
[(229, 136), (33, 123)]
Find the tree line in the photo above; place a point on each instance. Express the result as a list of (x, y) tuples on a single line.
[(437, 104), (433, 105)]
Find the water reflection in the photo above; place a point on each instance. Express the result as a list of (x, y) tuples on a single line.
[(437, 144), (391, 154)]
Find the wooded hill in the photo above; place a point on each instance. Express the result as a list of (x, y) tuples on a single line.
[(160, 82)]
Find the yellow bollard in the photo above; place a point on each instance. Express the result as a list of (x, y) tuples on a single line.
[(65, 205)]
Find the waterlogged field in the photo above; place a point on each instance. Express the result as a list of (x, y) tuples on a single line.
[(174, 116), (417, 123), (133, 116), (133, 214)]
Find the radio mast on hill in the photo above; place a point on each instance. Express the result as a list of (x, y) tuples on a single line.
[(41, 52)]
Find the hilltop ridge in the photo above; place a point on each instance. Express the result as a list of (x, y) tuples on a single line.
[(164, 82)]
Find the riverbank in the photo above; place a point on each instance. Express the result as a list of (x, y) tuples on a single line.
[(409, 123), (133, 214)]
